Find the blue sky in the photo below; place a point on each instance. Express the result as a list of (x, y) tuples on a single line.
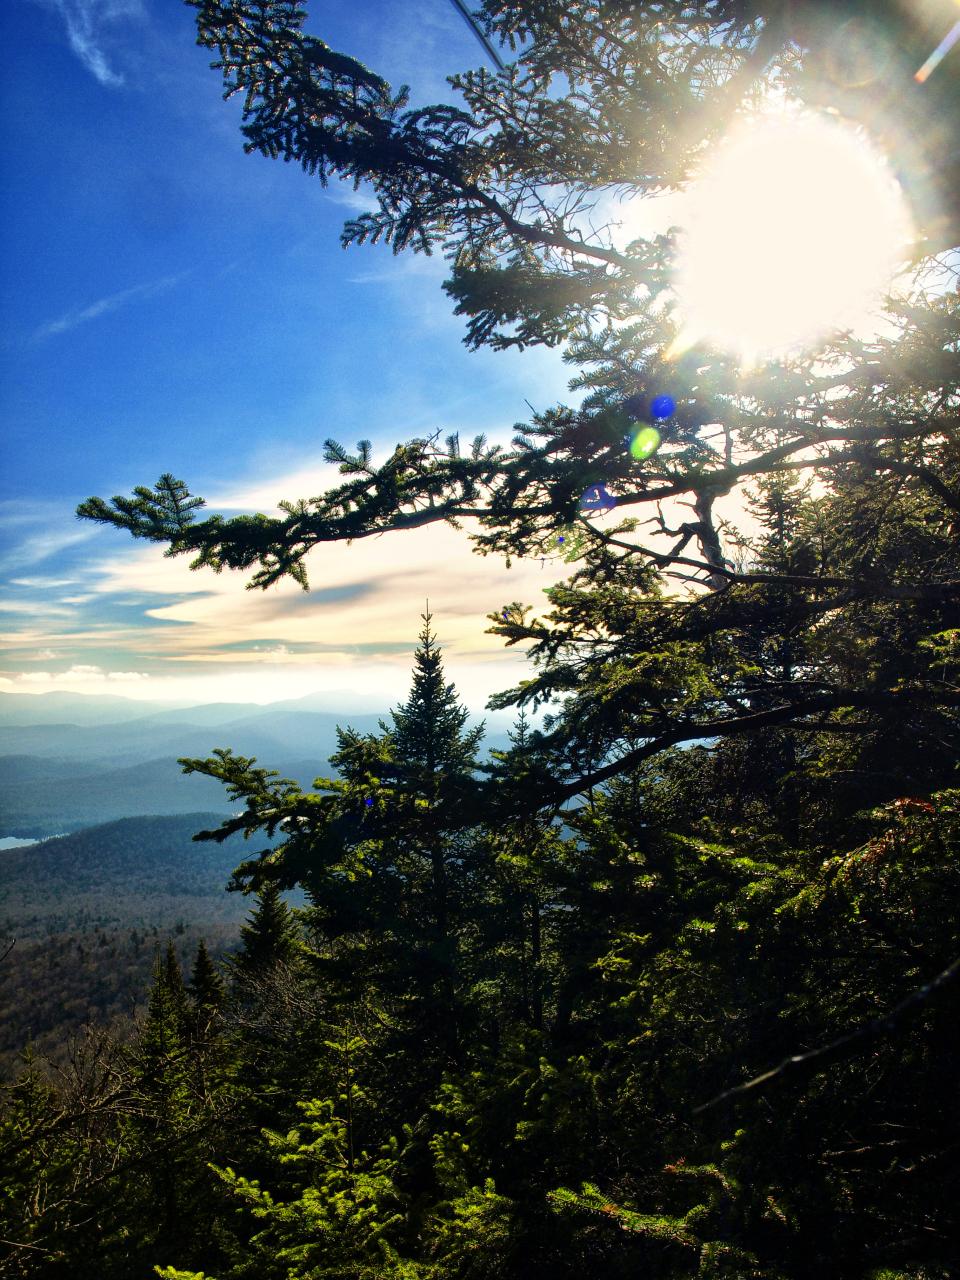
[(169, 303)]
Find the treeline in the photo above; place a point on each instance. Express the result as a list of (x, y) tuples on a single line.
[(503, 1051)]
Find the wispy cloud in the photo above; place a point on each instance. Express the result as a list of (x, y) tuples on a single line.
[(40, 546), (361, 200), (104, 305), (398, 270), (85, 21), (32, 610)]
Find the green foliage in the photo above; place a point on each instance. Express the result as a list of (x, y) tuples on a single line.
[(269, 937), (670, 989), (159, 514), (206, 985)]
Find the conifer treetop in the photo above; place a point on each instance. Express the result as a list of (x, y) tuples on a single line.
[(427, 729), (271, 935)]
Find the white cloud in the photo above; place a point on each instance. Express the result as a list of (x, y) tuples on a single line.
[(278, 653), (80, 673), (17, 511), (399, 270), (342, 193), (264, 495), (85, 22), (34, 610), (81, 315), (40, 546)]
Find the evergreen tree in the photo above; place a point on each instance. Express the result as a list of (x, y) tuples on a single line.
[(427, 736), (434, 760), (176, 992), (206, 985), (208, 1050), (162, 1075), (270, 937)]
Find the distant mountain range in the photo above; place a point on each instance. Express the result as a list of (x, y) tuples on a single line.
[(69, 761), (97, 708)]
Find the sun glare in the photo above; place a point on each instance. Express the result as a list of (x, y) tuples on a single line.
[(794, 228)]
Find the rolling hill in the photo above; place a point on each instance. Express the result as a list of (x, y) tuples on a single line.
[(88, 912)]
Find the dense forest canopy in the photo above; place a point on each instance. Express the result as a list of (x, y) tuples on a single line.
[(669, 986)]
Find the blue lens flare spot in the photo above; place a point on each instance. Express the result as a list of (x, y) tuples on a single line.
[(369, 800), (596, 499), (662, 407)]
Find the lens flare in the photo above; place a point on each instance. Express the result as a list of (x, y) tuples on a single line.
[(662, 407), (938, 55), (645, 443), (597, 500)]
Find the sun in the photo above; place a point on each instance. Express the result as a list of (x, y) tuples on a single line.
[(794, 228)]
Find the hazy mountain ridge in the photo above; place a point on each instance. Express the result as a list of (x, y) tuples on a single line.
[(103, 709), (150, 739), (57, 777)]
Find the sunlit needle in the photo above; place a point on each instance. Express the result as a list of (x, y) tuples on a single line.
[(938, 55)]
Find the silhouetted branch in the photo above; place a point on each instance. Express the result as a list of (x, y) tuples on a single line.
[(844, 1044)]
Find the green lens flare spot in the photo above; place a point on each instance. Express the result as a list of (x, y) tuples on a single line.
[(645, 443)]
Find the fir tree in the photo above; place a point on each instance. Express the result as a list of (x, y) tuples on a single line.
[(160, 1041), (206, 985), (427, 736), (174, 986), (270, 937), (161, 1077)]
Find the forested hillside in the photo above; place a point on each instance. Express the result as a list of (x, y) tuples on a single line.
[(669, 987), (86, 912), (133, 872)]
